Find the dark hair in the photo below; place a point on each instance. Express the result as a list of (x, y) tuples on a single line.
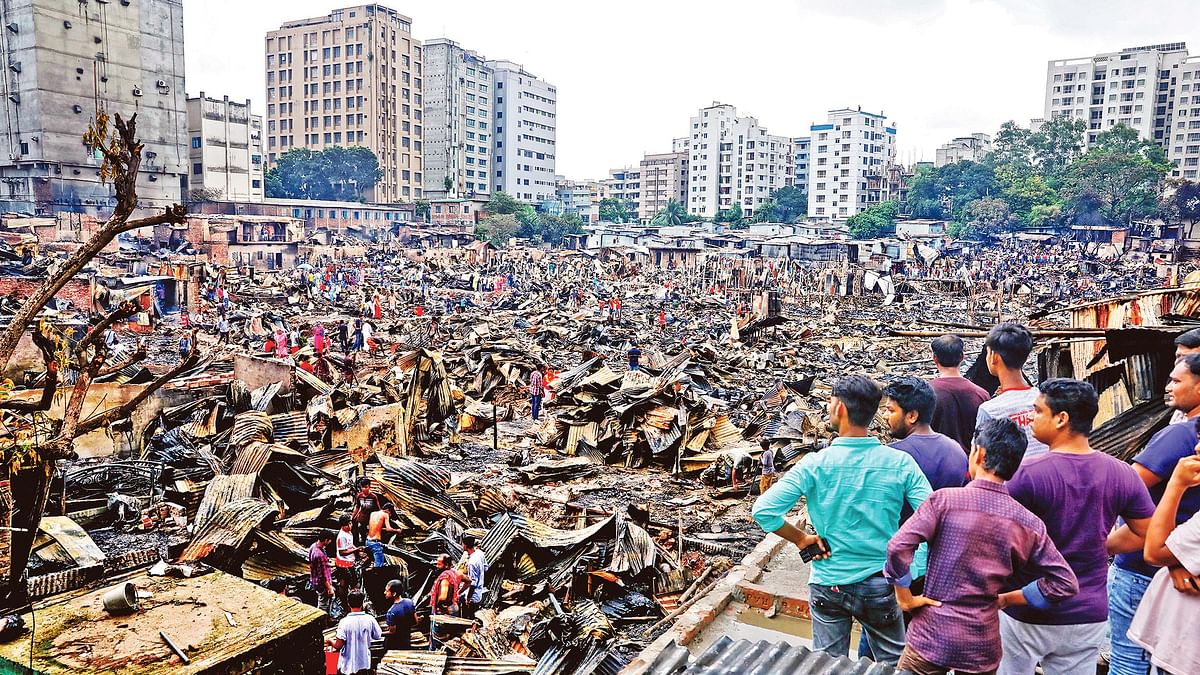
[(1190, 339), (1012, 342), (911, 393), (396, 588), (326, 535), (444, 558), (861, 397), (1003, 445), (1074, 397), (947, 350), (343, 520), (1192, 361), (355, 599), (468, 541), (390, 507)]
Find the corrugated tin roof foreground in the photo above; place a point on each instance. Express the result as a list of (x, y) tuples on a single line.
[(747, 657)]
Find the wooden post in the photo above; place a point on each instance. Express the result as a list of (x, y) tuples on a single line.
[(495, 428)]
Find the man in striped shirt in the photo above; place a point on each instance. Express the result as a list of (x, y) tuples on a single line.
[(536, 390)]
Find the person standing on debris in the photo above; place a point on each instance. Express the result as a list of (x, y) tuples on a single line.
[(318, 332), (767, 460), (343, 332), (477, 567), (1009, 346), (366, 502), (381, 521), (443, 597), (1130, 575), (537, 390), (980, 540), (281, 348), (346, 552), (854, 489), (355, 632), (1165, 624), (357, 344), (958, 398), (185, 345), (635, 356), (401, 618), (223, 331), (320, 577), (1078, 493)]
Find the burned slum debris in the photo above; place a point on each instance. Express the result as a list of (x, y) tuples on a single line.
[(411, 369)]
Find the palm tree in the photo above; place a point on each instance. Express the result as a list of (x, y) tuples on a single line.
[(672, 214)]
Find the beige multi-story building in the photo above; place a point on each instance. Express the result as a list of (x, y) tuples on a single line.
[(350, 78), (226, 150), (62, 63), (971, 148), (458, 109), (664, 177), (624, 185)]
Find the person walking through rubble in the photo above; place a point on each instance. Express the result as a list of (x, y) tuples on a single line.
[(537, 390), (366, 502), (767, 461), (475, 584), (320, 577), (1078, 493), (443, 597), (355, 632), (1009, 345), (223, 331), (345, 558), (854, 490), (958, 399)]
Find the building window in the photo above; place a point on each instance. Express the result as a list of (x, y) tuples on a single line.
[(196, 142), (197, 169)]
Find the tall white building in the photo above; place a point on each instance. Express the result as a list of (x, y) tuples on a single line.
[(850, 155), (458, 112), (800, 146), (733, 160), (624, 185), (524, 135), (226, 154), (1131, 87), (64, 61), (1183, 147), (971, 148)]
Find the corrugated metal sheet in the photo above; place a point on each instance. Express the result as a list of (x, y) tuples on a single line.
[(634, 551), (220, 491), (227, 530), (745, 657), (418, 489), (459, 665), (251, 458), (1126, 434), (314, 382), (252, 425), (409, 662), (290, 427)]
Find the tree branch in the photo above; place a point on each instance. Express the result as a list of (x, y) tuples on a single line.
[(124, 310), (126, 409)]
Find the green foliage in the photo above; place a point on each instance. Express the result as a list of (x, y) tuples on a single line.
[(873, 221), (614, 210), (447, 183), (497, 229), (989, 216), (943, 192), (733, 217), (1056, 144), (335, 173), (553, 228), (422, 209), (672, 214), (767, 212), (1118, 180), (502, 204), (791, 203), (1181, 201)]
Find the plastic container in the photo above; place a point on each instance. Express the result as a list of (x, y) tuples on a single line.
[(121, 599)]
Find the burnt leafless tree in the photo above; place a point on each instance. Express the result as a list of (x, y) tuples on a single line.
[(35, 441)]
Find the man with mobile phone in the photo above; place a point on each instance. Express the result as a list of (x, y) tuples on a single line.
[(854, 491)]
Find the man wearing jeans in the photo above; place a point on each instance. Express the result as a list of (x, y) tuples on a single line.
[(854, 490)]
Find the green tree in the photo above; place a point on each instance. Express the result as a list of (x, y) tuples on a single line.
[(989, 216), (1024, 193), (555, 227), (422, 209), (530, 221), (615, 210), (943, 192), (497, 229), (335, 173), (792, 204), (1181, 201), (1012, 148), (672, 214), (767, 212), (1056, 144), (873, 221), (732, 216), (502, 204), (447, 184), (1118, 180)]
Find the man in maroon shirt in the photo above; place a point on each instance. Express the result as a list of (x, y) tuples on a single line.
[(958, 398)]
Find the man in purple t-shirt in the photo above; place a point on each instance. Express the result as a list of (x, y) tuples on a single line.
[(908, 409), (1078, 493), (958, 398)]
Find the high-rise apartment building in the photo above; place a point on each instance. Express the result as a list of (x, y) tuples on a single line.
[(1131, 87), (226, 149), (524, 133), (850, 156), (971, 148), (350, 78), (733, 160), (624, 185), (64, 61), (575, 198), (1183, 148), (458, 111), (663, 178), (800, 145)]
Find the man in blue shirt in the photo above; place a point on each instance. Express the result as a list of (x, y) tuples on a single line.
[(401, 617), (854, 490)]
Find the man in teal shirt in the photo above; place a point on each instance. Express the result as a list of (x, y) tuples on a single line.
[(854, 490)]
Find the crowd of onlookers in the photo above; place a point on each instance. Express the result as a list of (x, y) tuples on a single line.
[(989, 537)]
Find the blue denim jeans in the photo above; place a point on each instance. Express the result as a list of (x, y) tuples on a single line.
[(1125, 591), (535, 401), (376, 548), (872, 602)]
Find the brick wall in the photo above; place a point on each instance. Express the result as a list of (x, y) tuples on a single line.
[(77, 291)]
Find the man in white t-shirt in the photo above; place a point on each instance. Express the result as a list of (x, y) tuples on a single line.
[(1165, 623), (1008, 347), (343, 562), (354, 635)]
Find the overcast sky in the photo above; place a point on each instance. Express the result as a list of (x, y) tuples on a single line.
[(629, 73)]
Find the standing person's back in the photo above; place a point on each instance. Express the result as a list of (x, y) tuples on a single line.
[(1009, 346), (958, 398), (354, 635), (1078, 493)]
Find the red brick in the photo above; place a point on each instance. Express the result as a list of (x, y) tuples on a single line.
[(756, 596), (792, 606)]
